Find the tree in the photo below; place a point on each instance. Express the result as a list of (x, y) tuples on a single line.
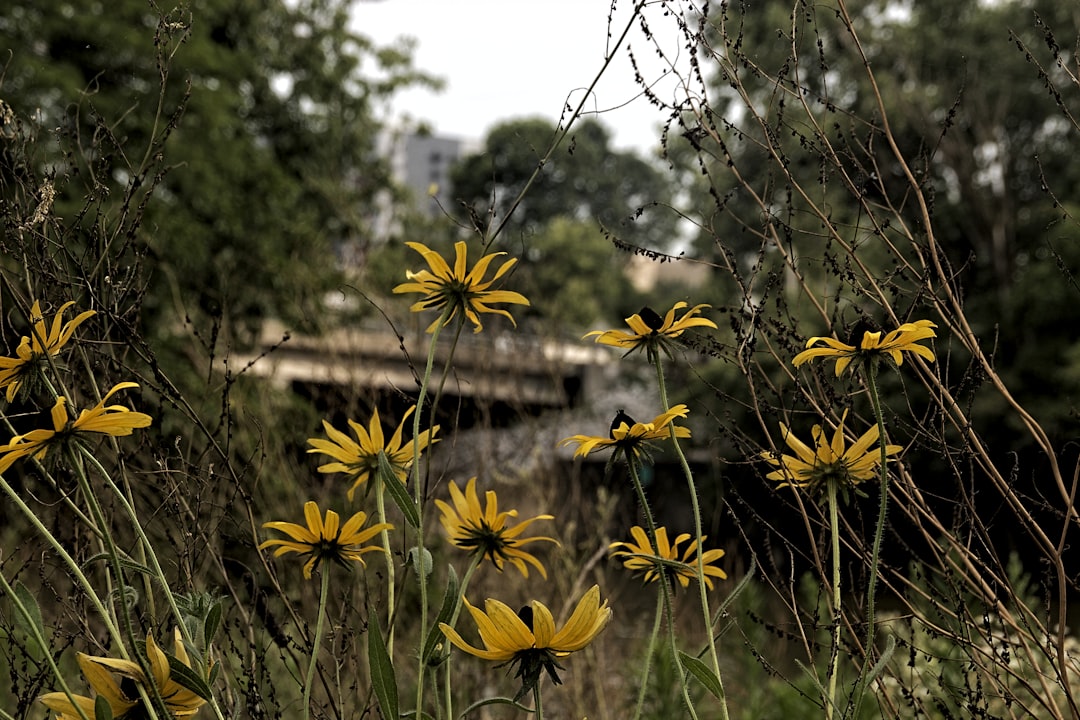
[(252, 124), (585, 179)]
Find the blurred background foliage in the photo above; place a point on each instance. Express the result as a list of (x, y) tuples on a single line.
[(214, 161)]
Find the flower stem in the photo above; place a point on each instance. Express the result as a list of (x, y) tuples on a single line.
[(649, 656), (831, 709), (418, 497), (73, 567), (309, 680), (151, 555), (654, 356), (538, 707), (384, 536), (36, 633), (879, 531), (153, 691), (474, 562), (662, 578)]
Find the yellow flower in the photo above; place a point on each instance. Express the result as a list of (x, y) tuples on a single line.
[(32, 352), (629, 436), (99, 673), (483, 531), (901, 340), (458, 289), (651, 331), (529, 639), (641, 556), (833, 461), (360, 458), (115, 420), (325, 539)]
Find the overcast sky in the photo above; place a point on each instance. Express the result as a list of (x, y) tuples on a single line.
[(503, 59)]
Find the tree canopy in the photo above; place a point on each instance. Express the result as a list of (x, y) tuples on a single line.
[(584, 179), (253, 123)]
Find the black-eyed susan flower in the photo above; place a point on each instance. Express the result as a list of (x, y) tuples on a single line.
[(829, 461), (360, 458), (31, 356), (901, 340), (123, 699), (632, 437), (458, 289), (326, 540), (650, 331), (483, 531), (529, 639), (639, 555), (115, 420)]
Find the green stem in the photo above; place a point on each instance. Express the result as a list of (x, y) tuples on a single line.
[(643, 689), (879, 531), (384, 536), (662, 578), (154, 692), (448, 698), (538, 707), (654, 355), (319, 626), (73, 568), (635, 479), (151, 554), (831, 709), (474, 562), (39, 638), (418, 498)]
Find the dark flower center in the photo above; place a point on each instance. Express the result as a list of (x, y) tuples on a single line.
[(620, 418), (483, 538), (651, 319), (861, 328)]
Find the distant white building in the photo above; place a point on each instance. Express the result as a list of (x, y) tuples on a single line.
[(420, 162)]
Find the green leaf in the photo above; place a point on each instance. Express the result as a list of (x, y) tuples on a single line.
[(102, 709), (211, 624), (188, 679), (383, 681), (446, 612), (398, 492), (30, 617), (704, 675)]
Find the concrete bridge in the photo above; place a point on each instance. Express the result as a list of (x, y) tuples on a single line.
[(520, 370)]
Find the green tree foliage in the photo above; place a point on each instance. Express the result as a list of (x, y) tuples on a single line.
[(584, 191), (584, 179), (982, 127), (575, 278), (252, 122)]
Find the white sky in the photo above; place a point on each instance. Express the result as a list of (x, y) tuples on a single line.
[(504, 59)]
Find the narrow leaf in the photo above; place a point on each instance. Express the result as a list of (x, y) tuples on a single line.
[(211, 625), (446, 611), (188, 679), (704, 675), (398, 492), (102, 709), (31, 621), (383, 681)]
